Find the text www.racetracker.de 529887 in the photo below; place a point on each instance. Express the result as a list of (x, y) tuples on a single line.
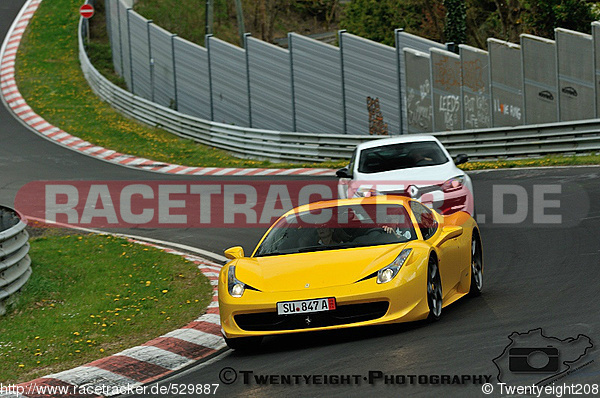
[(103, 390)]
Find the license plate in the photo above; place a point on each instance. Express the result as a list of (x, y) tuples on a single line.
[(304, 306)]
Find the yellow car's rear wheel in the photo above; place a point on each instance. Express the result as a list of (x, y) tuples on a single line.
[(476, 265), (434, 289)]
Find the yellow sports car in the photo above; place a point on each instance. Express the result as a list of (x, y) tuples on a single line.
[(347, 263)]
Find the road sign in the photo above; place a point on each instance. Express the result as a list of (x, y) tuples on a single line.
[(86, 11)]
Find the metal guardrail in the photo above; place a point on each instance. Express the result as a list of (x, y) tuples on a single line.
[(15, 265), (521, 141)]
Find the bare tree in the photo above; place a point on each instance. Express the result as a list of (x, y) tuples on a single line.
[(510, 17), (264, 15)]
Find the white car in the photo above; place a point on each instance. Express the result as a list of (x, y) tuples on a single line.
[(417, 166)]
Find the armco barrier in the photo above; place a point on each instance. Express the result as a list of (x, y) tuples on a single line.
[(15, 265), (521, 141)]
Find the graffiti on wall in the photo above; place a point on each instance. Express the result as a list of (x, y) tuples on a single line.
[(472, 75), (376, 124), (448, 75), (419, 110), (477, 111), (512, 111), (449, 108)]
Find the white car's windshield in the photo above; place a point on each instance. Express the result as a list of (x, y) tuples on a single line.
[(401, 156), (339, 227)]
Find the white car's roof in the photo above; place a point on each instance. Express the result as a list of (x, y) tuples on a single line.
[(396, 140)]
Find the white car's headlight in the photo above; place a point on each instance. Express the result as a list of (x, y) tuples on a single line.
[(453, 184), (388, 273), (235, 287)]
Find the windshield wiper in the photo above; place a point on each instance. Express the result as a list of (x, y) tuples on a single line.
[(276, 253), (326, 247)]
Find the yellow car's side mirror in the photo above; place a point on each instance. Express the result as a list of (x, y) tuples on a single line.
[(234, 252)]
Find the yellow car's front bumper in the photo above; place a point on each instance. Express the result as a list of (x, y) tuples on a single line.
[(405, 295)]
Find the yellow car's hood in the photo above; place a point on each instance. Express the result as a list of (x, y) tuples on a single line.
[(314, 270)]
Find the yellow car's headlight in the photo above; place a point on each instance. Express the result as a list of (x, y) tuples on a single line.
[(388, 273), (235, 287)]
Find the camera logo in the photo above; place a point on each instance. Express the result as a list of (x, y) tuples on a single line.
[(533, 360)]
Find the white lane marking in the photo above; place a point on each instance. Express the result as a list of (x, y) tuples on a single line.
[(157, 356), (91, 375), (11, 395), (176, 377), (197, 337), (108, 152), (224, 171), (211, 318), (183, 171), (192, 249)]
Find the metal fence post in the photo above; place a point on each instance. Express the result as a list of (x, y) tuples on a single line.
[(150, 60), (492, 122), (210, 84), (595, 26), (120, 35), (432, 94), (240, 20), (557, 78), (340, 35), (462, 87), (246, 35), (399, 76), (176, 106), (293, 89), (595, 73), (524, 103), (129, 11)]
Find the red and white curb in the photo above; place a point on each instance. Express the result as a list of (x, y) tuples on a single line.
[(150, 361), (11, 95)]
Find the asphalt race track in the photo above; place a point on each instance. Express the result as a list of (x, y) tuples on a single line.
[(542, 270)]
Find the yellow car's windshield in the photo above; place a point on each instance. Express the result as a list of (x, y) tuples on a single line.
[(338, 227)]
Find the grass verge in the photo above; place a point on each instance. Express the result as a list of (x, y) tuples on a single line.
[(546, 161), (91, 296), (50, 79)]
